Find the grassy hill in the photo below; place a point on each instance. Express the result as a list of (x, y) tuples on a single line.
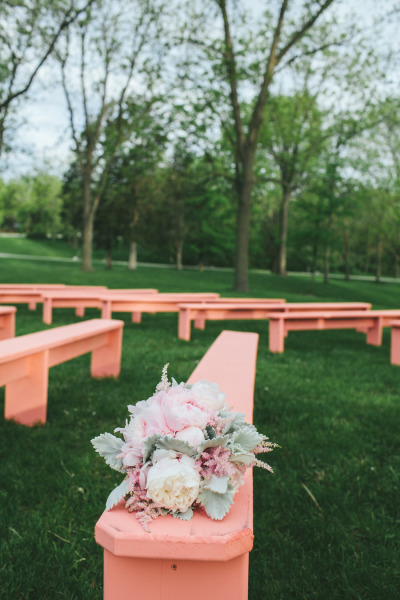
[(326, 522)]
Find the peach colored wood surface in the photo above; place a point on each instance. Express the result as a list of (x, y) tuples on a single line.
[(200, 322), (21, 296), (242, 309), (80, 299), (370, 322), (7, 322), (32, 294), (200, 558), (149, 304), (31, 286), (25, 362), (395, 343)]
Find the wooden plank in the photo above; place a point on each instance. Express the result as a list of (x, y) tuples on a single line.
[(182, 560)]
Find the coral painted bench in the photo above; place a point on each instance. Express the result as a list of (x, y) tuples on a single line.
[(168, 302), (200, 322), (79, 299), (395, 343), (31, 294), (243, 309), (201, 558), (25, 363), (369, 322), (7, 322)]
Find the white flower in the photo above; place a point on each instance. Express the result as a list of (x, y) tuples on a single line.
[(173, 483), (207, 394), (193, 435)]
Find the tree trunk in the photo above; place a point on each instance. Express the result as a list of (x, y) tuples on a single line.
[(314, 257), (179, 248), (396, 265), (88, 222), (326, 264), (132, 264), (108, 260), (378, 261), (346, 256), (87, 244), (283, 225), (241, 279)]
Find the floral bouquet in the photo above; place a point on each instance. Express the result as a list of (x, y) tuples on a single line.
[(182, 449)]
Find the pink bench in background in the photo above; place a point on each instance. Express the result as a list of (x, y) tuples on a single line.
[(80, 299), (7, 322), (242, 309), (25, 362), (33, 294), (31, 286), (370, 322), (395, 343), (200, 322), (202, 558), (168, 302)]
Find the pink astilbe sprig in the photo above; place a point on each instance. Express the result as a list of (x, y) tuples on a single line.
[(265, 446), (215, 461), (138, 501)]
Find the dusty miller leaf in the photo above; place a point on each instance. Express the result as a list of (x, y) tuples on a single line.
[(117, 494), (149, 445), (215, 505), (169, 443), (221, 440), (248, 438), (109, 446), (219, 485), (186, 516)]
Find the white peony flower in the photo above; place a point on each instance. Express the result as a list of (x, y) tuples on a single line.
[(207, 394), (193, 435), (173, 483)]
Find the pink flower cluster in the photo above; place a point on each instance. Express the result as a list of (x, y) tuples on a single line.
[(182, 449)]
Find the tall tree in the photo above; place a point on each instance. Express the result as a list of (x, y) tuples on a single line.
[(281, 34), (108, 53)]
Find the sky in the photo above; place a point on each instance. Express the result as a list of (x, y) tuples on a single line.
[(42, 142)]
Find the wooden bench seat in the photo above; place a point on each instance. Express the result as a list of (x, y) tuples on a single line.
[(242, 309), (395, 343), (168, 302), (80, 299), (25, 362), (7, 322), (201, 558), (369, 322), (31, 286), (33, 295)]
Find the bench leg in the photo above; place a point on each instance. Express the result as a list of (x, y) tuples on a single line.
[(184, 324), (7, 329), (170, 579), (200, 323), (277, 336), (106, 312), (47, 312), (374, 334), (26, 398), (395, 347), (106, 360), (80, 311), (136, 317), (32, 305)]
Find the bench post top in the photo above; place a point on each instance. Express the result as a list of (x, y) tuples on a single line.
[(230, 362)]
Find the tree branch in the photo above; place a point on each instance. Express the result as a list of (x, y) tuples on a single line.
[(66, 22)]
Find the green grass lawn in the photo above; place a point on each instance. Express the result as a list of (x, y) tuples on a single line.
[(326, 523)]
